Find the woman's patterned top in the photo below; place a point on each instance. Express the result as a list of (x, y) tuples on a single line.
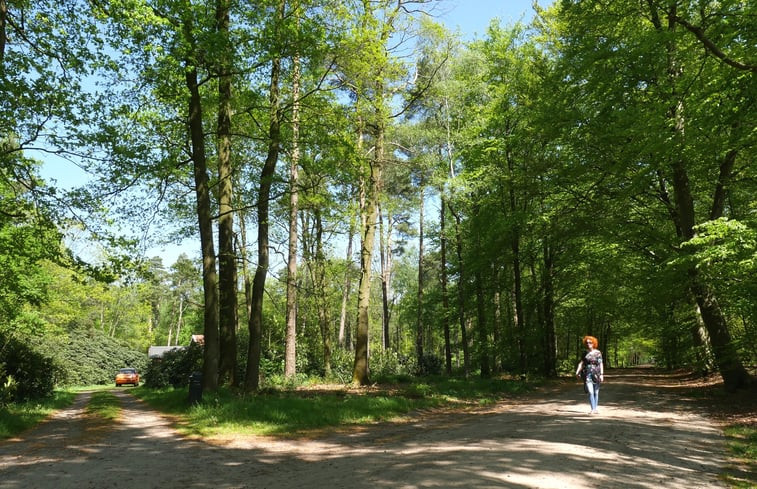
[(592, 365)]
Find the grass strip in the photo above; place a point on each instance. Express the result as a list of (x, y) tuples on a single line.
[(297, 411), (104, 405), (18, 417)]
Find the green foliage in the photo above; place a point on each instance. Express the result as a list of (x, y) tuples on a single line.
[(26, 371), (174, 368), (27, 238), (342, 362), (429, 365), (386, 364), (92, 358), (7, 388), (725, 251), (551, 147)]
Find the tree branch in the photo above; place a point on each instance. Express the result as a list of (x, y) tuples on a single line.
[(711, 47)]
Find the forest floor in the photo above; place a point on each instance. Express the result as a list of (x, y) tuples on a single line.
[(654, 430)]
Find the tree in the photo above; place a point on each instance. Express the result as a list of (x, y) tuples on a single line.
[(290, 365), (227, 259), (372, 80), (252, 379), (28, 236), (204, 216), (629, 93)]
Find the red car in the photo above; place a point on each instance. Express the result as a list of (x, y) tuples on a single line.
[(127, 376)]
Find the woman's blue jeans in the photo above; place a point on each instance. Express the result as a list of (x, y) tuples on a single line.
[(593, 389)]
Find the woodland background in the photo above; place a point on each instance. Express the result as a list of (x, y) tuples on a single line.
[(373, 196)]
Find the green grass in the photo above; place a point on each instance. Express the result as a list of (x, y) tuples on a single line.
[(289, 411), (742, 444), (16, 418), (104, 405)]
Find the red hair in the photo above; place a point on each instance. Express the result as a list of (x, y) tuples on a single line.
[(593, 340)]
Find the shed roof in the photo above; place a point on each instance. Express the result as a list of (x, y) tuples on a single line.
[(159, 351)]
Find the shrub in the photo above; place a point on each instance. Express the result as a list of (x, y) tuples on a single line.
[(342, 363), (26, 372), (7, 388), (174, 368), (429, 365), (387, 364), (91, 358)]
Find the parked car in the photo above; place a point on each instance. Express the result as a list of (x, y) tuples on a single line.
[(127, 376)]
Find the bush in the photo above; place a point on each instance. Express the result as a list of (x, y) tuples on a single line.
[(342, 363), (387, 364), (93, 358), (567, 366), (26, 372), (7, 388), (429, 365), (174, 368)]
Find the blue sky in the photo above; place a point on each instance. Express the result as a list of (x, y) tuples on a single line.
[(472, 17)]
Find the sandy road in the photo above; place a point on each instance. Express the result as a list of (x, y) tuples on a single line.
[(646, 436)]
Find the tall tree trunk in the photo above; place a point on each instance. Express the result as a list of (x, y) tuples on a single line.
[(458, 251), (3, 21), (369, 214), (245, 269), (180, 320), (385, 253), (518, 302), (315, 259), (379, 120), (170, 328), (497, 324), (548, 310), (482, 325), (204, 217), (227, 264), (343, 340), (517, 273), (319, 281), (419, 312), (252, 377), (445, 292), (447, 152), (290, 354), (702, 351), (461, 293)]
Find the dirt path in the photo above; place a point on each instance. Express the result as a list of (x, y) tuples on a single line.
[(644, 437)]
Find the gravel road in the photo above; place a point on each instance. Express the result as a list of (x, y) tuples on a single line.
[(646, 436)]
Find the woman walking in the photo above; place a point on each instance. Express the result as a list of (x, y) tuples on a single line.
[(591, 370)]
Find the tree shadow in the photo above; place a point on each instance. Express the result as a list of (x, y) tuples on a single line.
[(639, 441)]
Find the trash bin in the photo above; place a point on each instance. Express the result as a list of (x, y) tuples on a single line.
[(195, 388)]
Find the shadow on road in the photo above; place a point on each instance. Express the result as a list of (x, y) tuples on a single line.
[(641, 439)]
